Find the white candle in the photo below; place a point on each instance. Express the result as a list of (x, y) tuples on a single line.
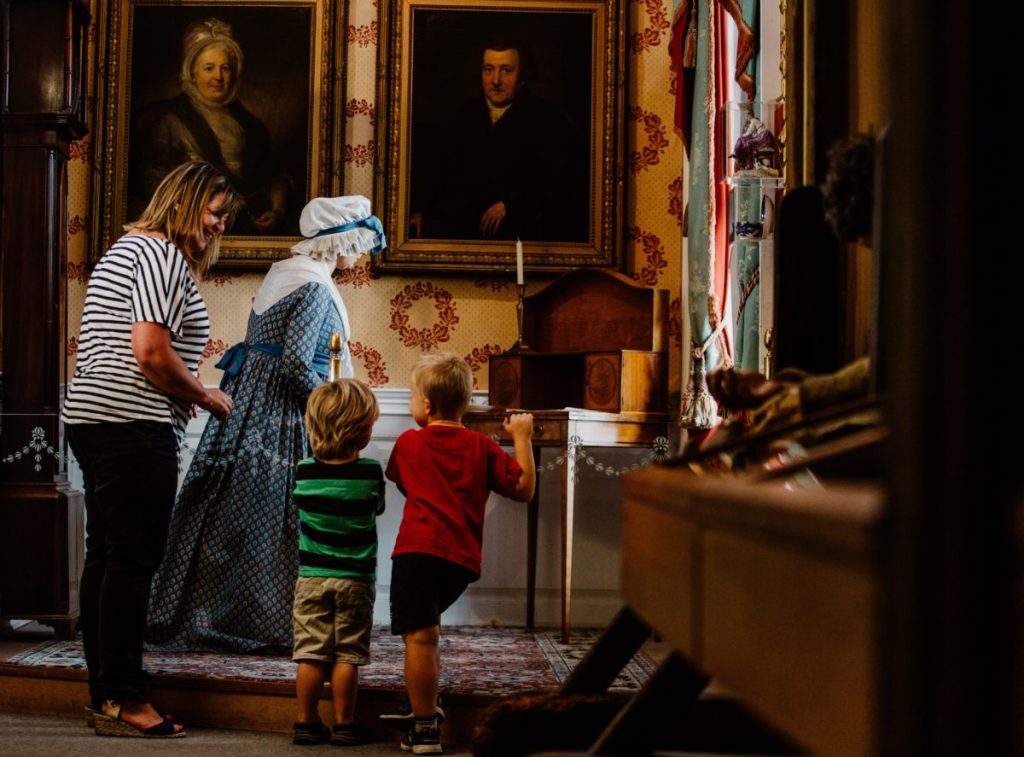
[(519, 262)]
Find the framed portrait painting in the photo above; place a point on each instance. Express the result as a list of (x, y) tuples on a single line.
[(247, 86), (500, 121)]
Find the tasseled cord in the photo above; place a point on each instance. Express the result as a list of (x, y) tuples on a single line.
[(698, 409)]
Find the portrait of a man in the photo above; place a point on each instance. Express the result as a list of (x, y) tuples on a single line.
[(500, 145), (230, 86)]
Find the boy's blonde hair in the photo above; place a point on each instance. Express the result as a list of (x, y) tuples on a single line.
[(446, 380), (339, 418)]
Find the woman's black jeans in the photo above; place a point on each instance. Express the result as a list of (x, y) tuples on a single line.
[(131, 474)]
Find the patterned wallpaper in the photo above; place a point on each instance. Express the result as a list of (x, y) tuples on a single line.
[(397, 318)]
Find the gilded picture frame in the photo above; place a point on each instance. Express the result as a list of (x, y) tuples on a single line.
[(270, 119), (466, 166)]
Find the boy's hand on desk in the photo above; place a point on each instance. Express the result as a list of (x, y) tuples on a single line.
[(519, 425)]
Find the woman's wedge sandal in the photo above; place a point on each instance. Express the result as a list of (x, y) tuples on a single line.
[(91, 713), (109, 723)]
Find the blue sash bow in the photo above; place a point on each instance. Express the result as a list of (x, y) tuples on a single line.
[(234, 358)]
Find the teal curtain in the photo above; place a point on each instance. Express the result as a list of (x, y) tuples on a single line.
[(695, 38), (746, 272), (746, 255), (698, 410)]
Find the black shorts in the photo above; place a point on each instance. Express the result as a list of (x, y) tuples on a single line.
[(423, 587)]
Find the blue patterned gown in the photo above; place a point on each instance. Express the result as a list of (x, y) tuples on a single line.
[(228, 574)]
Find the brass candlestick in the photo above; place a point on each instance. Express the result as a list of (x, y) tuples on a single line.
[(334, 364), (520, 345)]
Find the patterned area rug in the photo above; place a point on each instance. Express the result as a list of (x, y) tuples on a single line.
[(475, 660)]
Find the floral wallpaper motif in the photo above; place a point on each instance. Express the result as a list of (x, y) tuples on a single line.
[(478, 358), (651, 34), (429, 336), (80, 150), (364, 36), (77, 224), (675, 321), (376, 369), (361, 155), (361, 108), (78, 273), (675, 200), (654, 256), (214, 348), (395, 319), (650, 154), (357, 276), (495, 285), (219, 278)]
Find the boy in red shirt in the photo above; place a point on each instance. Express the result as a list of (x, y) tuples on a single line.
[(446, 473)]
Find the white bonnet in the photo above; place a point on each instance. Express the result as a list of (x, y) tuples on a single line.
[(339, 226)]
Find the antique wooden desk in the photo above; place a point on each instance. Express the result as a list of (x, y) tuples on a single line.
[(770, 579), (592, 367), (568, 429)]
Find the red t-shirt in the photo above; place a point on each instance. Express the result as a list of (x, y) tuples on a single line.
[(446, 474)]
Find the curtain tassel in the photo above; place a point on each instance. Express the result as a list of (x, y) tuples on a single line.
[(698, 409)]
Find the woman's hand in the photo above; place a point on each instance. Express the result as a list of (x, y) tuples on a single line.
[(164, 368), (218, 404)]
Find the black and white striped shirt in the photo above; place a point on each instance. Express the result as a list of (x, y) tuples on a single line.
[(140, 278)]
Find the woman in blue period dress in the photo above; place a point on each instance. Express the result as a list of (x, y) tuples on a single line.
[(228, 575)]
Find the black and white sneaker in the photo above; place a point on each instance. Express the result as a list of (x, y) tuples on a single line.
[(350, 734), (402, 718), (423, 738)]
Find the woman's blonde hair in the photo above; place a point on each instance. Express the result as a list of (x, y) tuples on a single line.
[(446, 380), (339, 418), (179, 204)]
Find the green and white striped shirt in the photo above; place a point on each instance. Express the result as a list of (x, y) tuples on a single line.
[(338, 509)]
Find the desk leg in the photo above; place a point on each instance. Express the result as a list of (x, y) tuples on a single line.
[(568, 503), (612, 651), (532, 509), (651, 717)]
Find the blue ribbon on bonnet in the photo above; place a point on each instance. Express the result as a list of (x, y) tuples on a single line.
[(370, 222)]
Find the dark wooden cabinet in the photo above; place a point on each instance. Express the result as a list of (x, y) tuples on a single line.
[(598, 342), (43, 111)]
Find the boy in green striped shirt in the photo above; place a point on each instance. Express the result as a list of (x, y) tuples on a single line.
[(339, 496)]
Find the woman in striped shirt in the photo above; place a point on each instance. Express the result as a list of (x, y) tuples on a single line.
[(144, 327)]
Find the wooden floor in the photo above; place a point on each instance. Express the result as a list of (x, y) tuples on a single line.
[(242, 705), (713, 724)]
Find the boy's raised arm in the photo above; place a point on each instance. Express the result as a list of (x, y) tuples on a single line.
[(520, 427)]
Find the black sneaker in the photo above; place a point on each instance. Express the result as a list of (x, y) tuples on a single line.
[(422, 740), (350, 734), (402, 718), (308, 734)]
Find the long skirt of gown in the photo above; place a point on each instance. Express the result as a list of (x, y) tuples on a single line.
[(228, 575)]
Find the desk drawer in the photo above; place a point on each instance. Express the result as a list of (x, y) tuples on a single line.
[(543, 431)]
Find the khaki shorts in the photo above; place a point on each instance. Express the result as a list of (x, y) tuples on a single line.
[(332, 619)]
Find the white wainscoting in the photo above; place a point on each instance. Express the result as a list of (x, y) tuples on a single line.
[(499, 597)]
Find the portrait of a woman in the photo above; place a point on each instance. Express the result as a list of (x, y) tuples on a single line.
[(206, 121)]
